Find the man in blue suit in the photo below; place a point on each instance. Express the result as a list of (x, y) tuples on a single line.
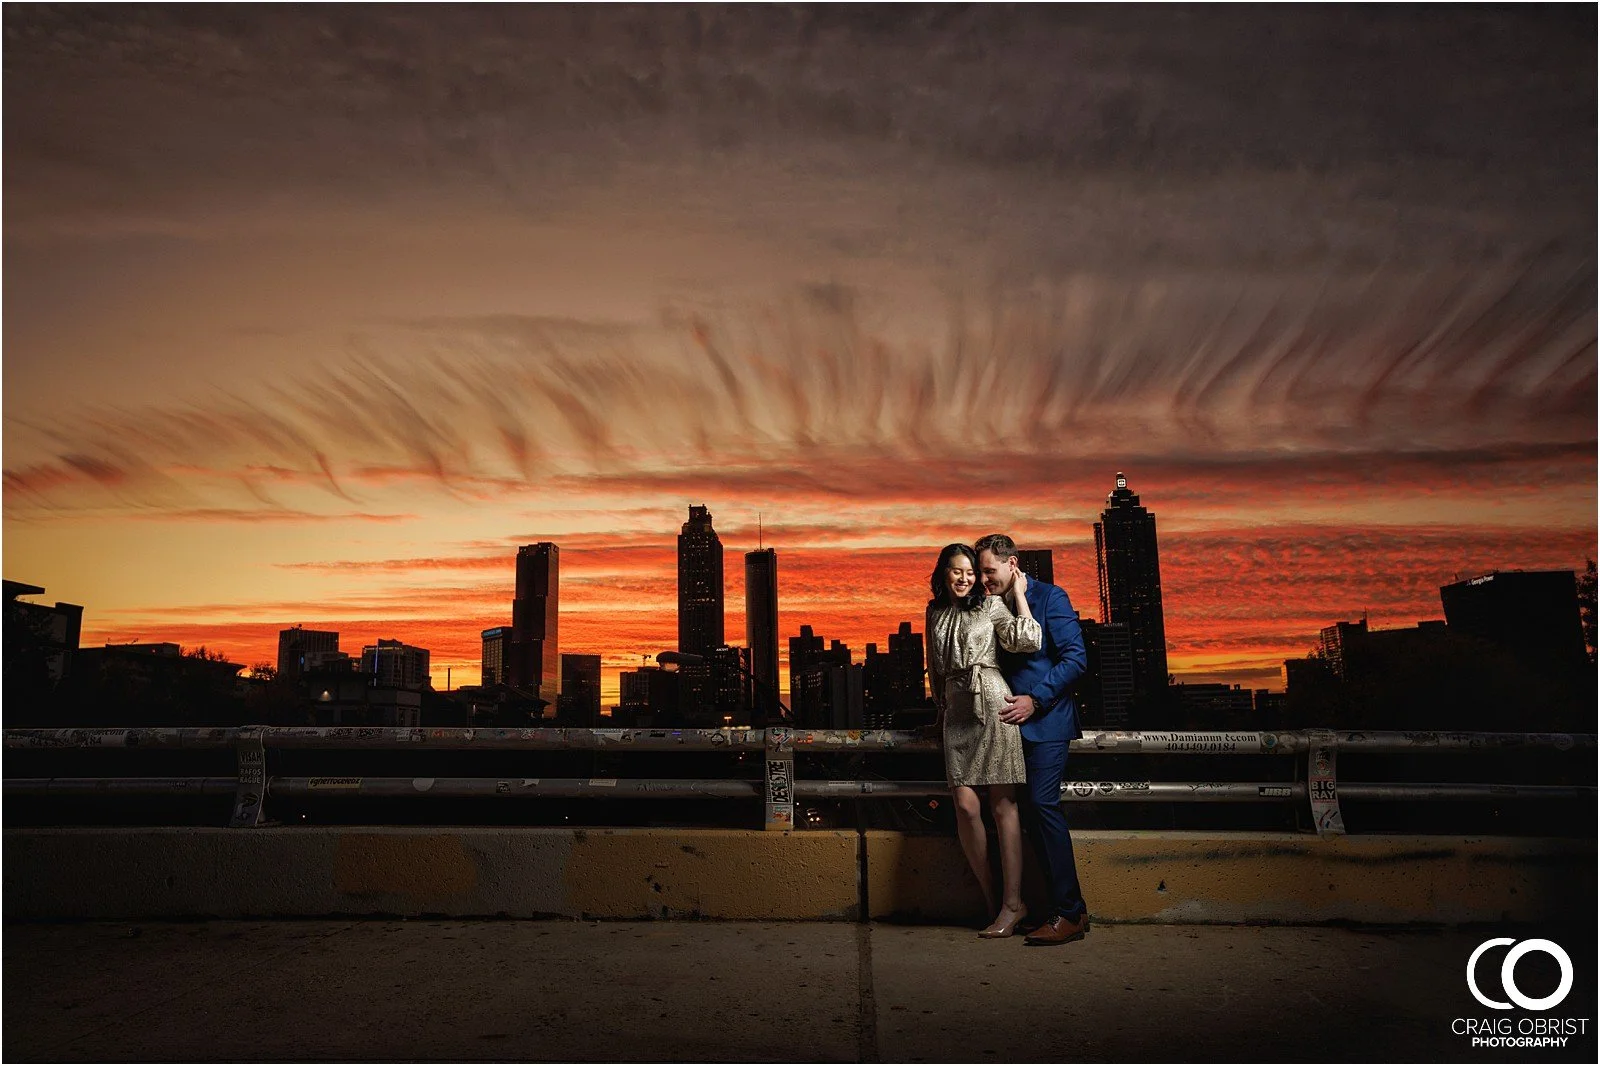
[(1042, 705)]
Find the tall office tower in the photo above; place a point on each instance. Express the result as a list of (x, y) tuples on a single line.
[(1105, 695), (1130, 588), (633, 697), (906, 668), (494, 655), (816, 675), (1037, 563), (1344, 645), (877, 701), (533, 659), (579, 705), (728, 701), (808, 649), (761, 633), (699, 585), (395, 664), (802, 649), (301, 650), (1531, 613), (891, 682), (700, 599), (829, 696)]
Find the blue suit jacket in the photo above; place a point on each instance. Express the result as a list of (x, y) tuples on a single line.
[(1049, 673)]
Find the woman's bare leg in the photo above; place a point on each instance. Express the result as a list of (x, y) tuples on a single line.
[(974, 841), (1008, 830)]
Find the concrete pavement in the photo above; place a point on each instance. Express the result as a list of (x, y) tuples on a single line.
[(374, 990)]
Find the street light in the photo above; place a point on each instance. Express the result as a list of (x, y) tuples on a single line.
[(689, 658)]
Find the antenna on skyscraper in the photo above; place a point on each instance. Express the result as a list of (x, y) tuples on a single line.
[(760, 544)]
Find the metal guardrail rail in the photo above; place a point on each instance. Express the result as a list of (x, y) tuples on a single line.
[(778, 788)]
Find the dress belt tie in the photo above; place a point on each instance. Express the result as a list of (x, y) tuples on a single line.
[(972, 677)]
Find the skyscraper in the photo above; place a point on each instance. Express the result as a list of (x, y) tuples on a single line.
[(649, 697), (395, 664), (1531, 613), (808, 650), (700, 598), (1037, 563), (494, 655), (533, 658), (906, 668), (825, 689), (728, 691), (1106, 692), (579, 704), (761, 632), (699, 585), (1130, 587), (891, 681)]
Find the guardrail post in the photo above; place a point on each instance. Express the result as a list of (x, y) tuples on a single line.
[(252, 789), (780, 778), (1322, 782)]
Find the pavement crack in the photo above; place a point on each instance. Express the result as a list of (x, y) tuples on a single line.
[(867, 1022)]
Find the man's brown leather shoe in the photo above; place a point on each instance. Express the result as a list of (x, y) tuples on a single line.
[(1058, 930)]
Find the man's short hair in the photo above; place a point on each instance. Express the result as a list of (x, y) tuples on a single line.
[(997, 544)]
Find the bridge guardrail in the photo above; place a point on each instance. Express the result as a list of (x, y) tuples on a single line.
[(778, 787)]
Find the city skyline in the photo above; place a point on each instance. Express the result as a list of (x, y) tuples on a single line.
[(311, 321), (832, 621)]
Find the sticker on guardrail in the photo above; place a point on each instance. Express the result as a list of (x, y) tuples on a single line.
[(1322, 783), (251, 789), (780, 781), (1117, 740)]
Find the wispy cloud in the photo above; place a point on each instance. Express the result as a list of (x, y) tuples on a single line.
[(1440, 375)]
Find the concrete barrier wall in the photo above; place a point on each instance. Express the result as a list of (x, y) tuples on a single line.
[(465, 872), (740, 874), (1261, 877)]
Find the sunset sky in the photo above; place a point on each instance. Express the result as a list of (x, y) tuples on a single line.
[(313, 315)]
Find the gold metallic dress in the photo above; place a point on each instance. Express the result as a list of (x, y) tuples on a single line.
[(979, 749)]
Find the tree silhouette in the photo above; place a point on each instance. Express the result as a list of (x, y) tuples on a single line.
[(1586, 605)]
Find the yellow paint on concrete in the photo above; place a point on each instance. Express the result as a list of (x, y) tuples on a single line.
[(713, 873), (1231, 877), (750, 874), (433, 866)]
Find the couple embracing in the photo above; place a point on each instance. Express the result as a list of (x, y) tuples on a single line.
[(1003, 652)]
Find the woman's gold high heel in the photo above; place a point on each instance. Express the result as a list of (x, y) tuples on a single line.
[(1000, 932)]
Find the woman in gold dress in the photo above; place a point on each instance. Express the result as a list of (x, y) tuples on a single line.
[(964, 628)]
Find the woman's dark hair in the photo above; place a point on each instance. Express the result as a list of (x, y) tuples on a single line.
[(972, 600)]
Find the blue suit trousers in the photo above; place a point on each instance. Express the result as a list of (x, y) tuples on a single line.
[(1047, 826)]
